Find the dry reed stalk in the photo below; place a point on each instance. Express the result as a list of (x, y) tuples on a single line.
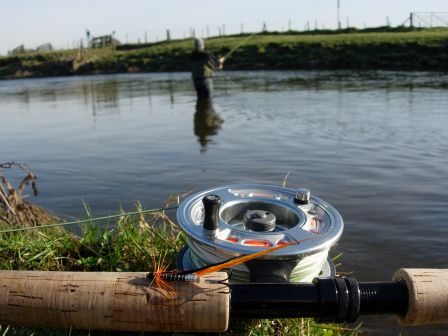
[(14, 209)]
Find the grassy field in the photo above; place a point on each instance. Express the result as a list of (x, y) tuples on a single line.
[(418, 49), (127, 244)]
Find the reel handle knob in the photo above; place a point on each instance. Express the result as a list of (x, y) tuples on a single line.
[(211, 213)]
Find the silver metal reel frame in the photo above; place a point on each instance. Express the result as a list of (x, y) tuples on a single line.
[(270, 197)]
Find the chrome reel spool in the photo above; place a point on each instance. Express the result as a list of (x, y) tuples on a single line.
[(229, 221)]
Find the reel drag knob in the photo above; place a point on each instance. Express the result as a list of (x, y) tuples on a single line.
[(259, 220), (211, 214), (302, 196)]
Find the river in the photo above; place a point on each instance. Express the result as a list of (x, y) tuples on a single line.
[(373, 144)]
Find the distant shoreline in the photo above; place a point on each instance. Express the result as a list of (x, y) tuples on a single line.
[(374, 49)]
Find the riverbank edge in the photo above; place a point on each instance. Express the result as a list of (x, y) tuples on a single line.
[(398, 50)]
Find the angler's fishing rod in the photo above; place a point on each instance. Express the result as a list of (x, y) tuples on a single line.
[(129, 301), (226, 56)]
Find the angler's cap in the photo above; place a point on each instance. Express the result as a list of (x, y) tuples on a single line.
[(198, 44)]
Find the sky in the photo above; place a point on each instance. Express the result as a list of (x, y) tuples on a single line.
[(64, 23)]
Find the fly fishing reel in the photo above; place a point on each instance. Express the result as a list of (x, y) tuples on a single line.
[(226, 222)]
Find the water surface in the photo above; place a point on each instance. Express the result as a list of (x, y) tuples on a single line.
[(373, 144)]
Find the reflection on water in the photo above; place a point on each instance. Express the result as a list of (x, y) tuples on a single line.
[(100, 93), (373, 144), (101, 96), (106, 91), (207, 122)]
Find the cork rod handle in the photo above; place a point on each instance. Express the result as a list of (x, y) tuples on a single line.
[(112, 301), (428, 296)]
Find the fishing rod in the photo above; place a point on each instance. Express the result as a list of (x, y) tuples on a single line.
[(129, 301), (237, 47), (276, 243)]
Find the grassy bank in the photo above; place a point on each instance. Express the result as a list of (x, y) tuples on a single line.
[(127, 244), (417, 49)]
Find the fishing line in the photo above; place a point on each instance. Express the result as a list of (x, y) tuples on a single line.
[(227, 78), (87, 220), (306, 270), (237, 46)]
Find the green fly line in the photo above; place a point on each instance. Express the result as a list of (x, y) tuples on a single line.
[(238, 45), (88, 220)]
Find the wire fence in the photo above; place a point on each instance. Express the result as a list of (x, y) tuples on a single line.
[(415, 19), (428, 19)]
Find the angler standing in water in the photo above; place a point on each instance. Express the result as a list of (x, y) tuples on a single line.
[(204, 65)]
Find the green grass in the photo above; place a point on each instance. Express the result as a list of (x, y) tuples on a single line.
[(423, 37), (422, 49), (128, 244)]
